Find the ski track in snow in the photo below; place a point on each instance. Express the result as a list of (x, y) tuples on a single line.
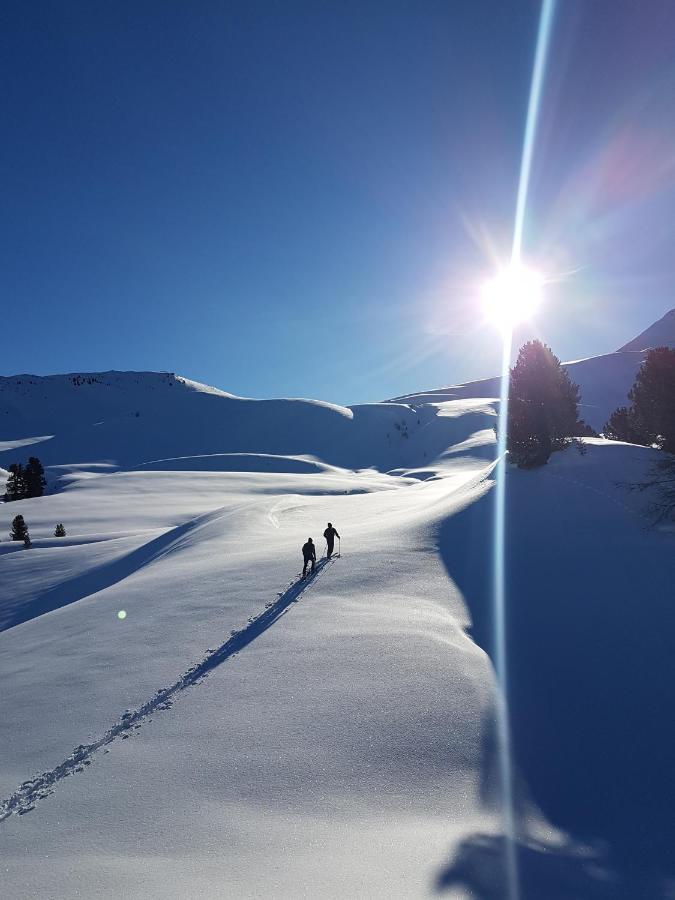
[(23, 800)]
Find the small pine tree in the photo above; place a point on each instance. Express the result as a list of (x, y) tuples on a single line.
[(34, 475), (543, 406), (60, 531), (583, 429), (16, 483), (19, 530)]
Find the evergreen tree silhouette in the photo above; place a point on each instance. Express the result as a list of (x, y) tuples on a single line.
[(34, 476), (19, 530), (543, 406), (16, 483), (653, 398)]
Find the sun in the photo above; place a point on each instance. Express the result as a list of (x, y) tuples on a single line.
[(512, 296)]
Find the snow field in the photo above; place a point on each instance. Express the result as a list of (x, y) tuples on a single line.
[(336, 737)]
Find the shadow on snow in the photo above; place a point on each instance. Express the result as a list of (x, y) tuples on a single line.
[(590, 632), (100, 577)]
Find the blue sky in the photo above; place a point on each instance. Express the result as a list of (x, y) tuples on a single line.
[(290, 198)]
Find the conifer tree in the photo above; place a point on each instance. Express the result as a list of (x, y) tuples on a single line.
[(60, 531), (623, 426), (19, 530), (16, 483), (34, 476), (543, 406), (653, 398)]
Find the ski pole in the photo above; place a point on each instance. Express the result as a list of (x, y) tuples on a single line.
[(339, 550)]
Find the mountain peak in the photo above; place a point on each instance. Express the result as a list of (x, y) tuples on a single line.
[(660, 334)]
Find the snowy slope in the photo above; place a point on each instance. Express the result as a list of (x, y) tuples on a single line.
[(604, 383), (91, 422), (334, 737), (341, 744), (660, 334)]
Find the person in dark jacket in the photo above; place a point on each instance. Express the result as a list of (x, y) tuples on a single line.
[(330, 534), (309, 555)]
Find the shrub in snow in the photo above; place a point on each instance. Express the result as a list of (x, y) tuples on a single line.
[(60, 531), (583, 429), (543, 406), (19, 530), (662, 483)]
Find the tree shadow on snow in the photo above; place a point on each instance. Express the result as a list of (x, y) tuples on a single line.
[(590, 630), (545, 873)]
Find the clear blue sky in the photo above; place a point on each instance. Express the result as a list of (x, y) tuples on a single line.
[(298, 198)]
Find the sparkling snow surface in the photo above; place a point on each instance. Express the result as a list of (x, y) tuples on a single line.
[(242, 733)]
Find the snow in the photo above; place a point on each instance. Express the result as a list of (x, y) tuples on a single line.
[(244, 733), (604, 381), (660, 334)]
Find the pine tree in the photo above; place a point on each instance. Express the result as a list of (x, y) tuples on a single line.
[(623, 426), (543, 406), (19, 530), (34, 475), (60, 531), (653, 398), (16, 483)]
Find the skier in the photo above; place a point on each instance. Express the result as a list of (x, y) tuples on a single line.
[(330, 534), (309, 555)]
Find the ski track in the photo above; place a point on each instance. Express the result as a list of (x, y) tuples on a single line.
[(23, 800)]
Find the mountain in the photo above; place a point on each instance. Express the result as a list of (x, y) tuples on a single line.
[(660, 334), (604, 381)]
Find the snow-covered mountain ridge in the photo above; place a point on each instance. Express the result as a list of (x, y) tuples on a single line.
[(604, 381), (129, 419), (660, 334)]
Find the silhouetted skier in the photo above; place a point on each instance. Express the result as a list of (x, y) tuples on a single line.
[(309, 555), (330, 534)]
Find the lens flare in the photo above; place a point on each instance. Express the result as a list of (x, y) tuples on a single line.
[(512, 296), (517, 293)]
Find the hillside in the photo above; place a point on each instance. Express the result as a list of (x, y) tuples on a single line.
[(185, 717), (120, 420), (604, 381), (660, 334)]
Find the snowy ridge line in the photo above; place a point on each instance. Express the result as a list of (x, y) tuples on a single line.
[(23, 800)]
